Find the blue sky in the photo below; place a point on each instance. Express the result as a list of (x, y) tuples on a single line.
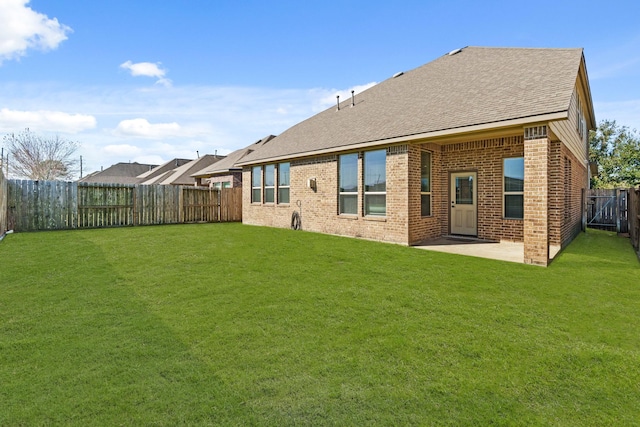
[(146, 81)]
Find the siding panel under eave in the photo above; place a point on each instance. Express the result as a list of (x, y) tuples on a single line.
[(567, 130)]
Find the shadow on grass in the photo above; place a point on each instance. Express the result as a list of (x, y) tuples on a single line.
[(77, 346), (597, 249)]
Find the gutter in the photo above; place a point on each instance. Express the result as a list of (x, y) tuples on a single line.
[(560, 115)]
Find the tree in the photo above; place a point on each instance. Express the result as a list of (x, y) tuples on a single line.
[(40, 158), (616, 151)]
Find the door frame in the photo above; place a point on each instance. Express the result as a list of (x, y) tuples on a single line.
[(476, 186)]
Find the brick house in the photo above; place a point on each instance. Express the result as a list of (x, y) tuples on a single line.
[(225, 173), (484, 142)]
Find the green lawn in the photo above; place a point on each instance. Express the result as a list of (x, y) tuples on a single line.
[(225, 324)]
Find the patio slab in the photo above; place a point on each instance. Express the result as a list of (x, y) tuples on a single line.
[(503, 251)]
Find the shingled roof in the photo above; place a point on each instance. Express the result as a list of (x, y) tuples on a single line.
[(229, 163), (120, 173), (466, 89), (182, 175)]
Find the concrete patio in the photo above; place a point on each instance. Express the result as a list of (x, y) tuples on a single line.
[(503, 251)]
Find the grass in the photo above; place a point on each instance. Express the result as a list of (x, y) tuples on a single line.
[(226, 324)]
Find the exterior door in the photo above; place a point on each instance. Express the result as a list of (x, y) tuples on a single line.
[(464, 201)]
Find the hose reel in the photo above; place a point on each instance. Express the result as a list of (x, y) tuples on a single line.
[(296, 217)]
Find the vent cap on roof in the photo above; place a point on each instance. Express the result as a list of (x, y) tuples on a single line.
[(453, 52), (398, 74)]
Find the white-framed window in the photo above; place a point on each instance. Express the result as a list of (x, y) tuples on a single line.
[(348, 184), (375, 182), (226, 184), (284, 182), (256, 184), (513, 188), (269, 183), (425, 183)]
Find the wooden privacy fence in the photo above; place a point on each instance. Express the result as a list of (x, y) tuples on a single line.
[(607, 209), (634, 218), (56, 205), (3, 202)]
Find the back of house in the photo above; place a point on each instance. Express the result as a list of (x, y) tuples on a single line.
[(483, 142)]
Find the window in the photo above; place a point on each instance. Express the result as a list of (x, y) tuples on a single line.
[(217, 185), (425, 183), (269, 183), (256, 184), (514, 188), (283, 182), (567, 190), (375, 182), (348, 183), (226, 184)]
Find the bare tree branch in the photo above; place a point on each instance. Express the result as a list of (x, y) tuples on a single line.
[(41, 158)]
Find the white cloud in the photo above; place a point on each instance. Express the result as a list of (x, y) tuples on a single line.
[(22, 28), (147, 69), (42, 120), (166, 124), (122, 150), (143, 129)]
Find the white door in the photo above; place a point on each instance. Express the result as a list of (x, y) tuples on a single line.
[(464, 201)]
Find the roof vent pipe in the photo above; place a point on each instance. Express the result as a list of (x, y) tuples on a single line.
[(353, 98), (338, 101)]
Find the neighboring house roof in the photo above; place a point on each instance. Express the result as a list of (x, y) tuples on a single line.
[(165, 167), (156, 179), (468, 89), (228, 164), (182, 174), (120, 173)]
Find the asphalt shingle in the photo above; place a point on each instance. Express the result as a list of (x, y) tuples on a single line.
[(473, 87)]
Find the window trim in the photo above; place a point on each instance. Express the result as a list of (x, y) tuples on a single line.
[(426, 193), (266, 188), (373, 193), (511, 193), (347, 193), (256, 171), (281, 186)]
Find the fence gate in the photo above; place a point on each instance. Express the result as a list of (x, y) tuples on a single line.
[(607, 209)]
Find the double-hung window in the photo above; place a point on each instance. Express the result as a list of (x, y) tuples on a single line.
[(269, 183), (256, 184), (375, 182), (425, 183), (284, 180), (513, 172), (348, 183)]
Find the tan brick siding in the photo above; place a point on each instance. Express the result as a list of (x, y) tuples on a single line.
[(403, 222), (235, 178), (319, 207), (536, 201), (486, 158), (572, 222)]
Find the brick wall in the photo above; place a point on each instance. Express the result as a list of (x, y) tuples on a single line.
[(422, 228), (235, 178), (486, 158), (404, 223), (536, 201), (575, 184), (319, 207)]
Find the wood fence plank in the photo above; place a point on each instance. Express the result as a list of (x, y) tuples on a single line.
[(51, 205)]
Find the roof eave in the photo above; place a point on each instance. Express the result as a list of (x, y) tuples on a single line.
[(214, 173), (560, 115)]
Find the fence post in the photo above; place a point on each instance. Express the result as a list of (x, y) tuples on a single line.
[(134, 200), (617, 210)]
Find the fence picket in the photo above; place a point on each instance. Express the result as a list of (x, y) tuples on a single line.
[(50, 205)]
